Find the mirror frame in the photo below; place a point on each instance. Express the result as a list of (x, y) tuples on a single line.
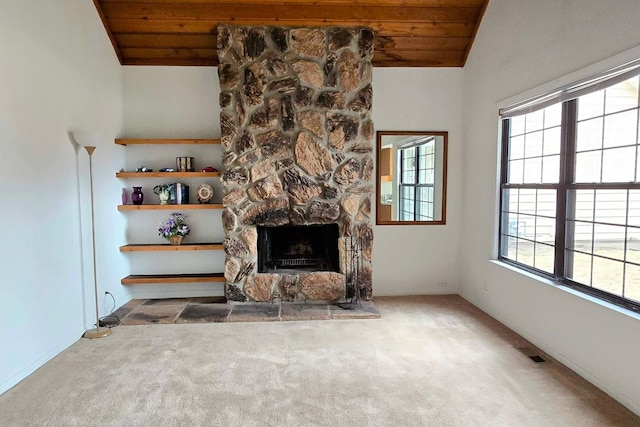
[(382, 133)]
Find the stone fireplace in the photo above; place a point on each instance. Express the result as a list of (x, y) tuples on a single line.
[(297, 140)]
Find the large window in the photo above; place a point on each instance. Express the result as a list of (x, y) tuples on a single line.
[(417, 167), (570, 192)]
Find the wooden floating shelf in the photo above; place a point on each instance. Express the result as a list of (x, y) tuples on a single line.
[(138, 279), (167, 247), (167, 174), (125, 141), (170, 207)]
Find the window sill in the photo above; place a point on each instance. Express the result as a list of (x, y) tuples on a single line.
[(561, 287)]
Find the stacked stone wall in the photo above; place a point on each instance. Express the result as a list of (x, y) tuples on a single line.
[(297, 140)]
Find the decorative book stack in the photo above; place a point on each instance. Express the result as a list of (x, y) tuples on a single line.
[(179, 194)]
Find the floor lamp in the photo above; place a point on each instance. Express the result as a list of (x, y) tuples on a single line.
[(97, 332)]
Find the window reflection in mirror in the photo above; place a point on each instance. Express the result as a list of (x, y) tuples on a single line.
[(411, 177)]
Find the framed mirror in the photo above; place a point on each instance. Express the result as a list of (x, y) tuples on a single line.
[(411, 177)]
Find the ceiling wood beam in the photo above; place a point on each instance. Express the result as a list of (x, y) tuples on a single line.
[(395, 29), (170, 41), (266, 3), (441, 58), (277, 13), (198, 41)]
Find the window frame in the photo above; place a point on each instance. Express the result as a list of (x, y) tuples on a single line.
[(565, 203), (416, 185)]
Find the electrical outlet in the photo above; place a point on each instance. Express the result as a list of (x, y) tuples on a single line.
[(443, 284), (485, 286)]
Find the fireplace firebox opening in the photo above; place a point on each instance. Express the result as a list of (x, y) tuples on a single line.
[(298, 247)]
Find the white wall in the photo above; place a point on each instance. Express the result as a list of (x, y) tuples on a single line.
[(520, 45), (415, 259), (183, 102), (173, 102), (58, 75)]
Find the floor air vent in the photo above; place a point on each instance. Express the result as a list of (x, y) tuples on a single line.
[(537, 359), (534, 354)]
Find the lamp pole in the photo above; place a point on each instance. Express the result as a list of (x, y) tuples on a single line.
[(97, 332)]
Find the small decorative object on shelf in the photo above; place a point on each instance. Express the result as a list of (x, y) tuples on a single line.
[(204, 193), (182, 193), (137, 197), (176, 240), (125, 196), (163, 191), (175, 229), (184, 164)]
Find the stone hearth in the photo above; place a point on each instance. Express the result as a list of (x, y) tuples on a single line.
[(297, 140)]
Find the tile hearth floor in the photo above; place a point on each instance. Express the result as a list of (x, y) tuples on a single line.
[(214, 309)]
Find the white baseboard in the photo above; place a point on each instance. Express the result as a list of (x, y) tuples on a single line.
[(33, 366), (623, 399)]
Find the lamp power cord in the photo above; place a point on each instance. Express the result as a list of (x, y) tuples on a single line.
[(110, 320)]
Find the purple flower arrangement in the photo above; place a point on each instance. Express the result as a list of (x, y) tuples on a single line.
[(176, 225)]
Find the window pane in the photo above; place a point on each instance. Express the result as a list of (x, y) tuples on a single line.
[(407, 203), (546, 204), (583, 237), (632, 282), (609, 241), (550, 169), (584, 202), (589, 135), (633, 245), (533, 170), (516, 147), (634, 208), (607, 275), (544, 258), (551, 141), (425, 173), (409, 166), (516, 172), (533, 144), (425, 204), (534, 121), (553, 115), (611, 206), (619, 164), (527, 201), (517, 125), (591, 105), (620, 129), (515, 227), (525, 252), (545, 230), (588, 166), (526, 226), (509, 251), (622, 96), (510, 200), (580, 271)]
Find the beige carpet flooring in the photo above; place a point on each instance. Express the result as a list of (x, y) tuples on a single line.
[(429, 361)]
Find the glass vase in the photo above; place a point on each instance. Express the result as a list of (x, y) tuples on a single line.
[(137, 197)]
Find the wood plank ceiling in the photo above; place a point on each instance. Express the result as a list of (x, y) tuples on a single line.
[(409, 33)]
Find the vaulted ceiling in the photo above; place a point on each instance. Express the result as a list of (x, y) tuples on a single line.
[(409, 33)]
